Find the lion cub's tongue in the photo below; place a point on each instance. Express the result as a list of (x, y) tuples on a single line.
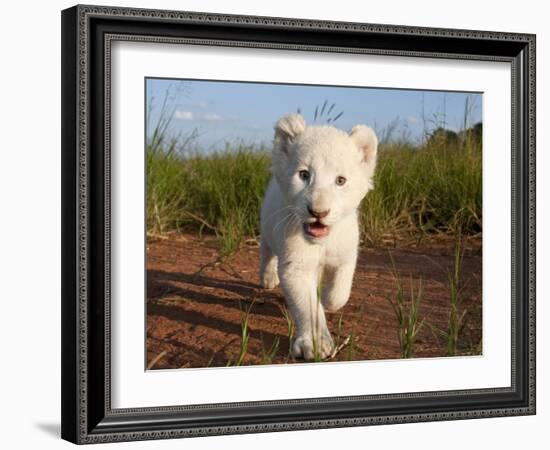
[(317, 229)]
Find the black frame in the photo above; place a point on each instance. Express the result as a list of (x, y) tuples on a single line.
[(87, 31)]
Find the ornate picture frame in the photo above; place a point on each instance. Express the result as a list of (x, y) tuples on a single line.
[(88, 33)]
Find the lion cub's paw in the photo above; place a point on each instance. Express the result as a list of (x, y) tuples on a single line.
[(303, 347), (270, 279)]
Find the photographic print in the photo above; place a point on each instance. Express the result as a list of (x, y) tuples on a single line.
[(295, 223), (313, 200)]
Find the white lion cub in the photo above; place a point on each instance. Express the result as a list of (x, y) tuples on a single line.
[(309, 222)]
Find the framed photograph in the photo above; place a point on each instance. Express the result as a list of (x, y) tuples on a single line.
[(281, 224)]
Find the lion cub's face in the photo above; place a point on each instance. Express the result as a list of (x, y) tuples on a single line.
[(323, 172)]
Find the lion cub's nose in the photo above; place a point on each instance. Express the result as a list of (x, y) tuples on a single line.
[(318, 214)]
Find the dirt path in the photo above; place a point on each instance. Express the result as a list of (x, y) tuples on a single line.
[(194, 319)]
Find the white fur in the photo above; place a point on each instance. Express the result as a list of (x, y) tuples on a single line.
[(291, 255)]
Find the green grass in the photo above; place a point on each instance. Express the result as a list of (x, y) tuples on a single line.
[(289, 328), (269, 353), (418, 191), (406, 313), (245, 335), (456, 317), (219, 194)]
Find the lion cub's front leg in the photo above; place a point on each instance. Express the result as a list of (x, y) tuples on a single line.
[(312, 337), (268, 266), (337, 283)]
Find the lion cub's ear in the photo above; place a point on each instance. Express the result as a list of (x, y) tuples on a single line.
[(286, 130), (365, 139)]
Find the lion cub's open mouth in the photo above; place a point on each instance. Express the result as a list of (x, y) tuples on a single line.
[(316, 229)]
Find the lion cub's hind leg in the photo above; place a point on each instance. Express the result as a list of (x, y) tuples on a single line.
[(268, 267)]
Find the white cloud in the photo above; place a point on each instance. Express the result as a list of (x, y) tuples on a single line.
[(190, 115), (412, 120), (184, 115), (211, 116)]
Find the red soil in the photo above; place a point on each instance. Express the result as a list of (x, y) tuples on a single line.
[(195, 305)]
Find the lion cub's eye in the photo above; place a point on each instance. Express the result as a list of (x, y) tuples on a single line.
[(304, 175), (340, 181)]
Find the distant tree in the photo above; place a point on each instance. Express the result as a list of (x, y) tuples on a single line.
[(442, 136), (472, 135), (475, 132)]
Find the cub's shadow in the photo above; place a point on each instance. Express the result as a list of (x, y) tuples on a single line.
[(233, 294)]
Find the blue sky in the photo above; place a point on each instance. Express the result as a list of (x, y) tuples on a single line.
[(219, 112)]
